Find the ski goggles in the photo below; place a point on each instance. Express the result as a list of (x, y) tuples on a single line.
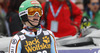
[(32, 11)]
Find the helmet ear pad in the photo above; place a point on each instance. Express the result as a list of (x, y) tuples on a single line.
[(24, 18)]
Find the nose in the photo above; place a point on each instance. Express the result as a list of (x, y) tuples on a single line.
[(36, 15)]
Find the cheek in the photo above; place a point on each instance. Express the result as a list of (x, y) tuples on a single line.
[(91, 7), (39, 18), (98, 6), (1, 1), (31, 18)]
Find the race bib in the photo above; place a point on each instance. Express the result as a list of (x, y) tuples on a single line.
[(44, 51), (54, 26)]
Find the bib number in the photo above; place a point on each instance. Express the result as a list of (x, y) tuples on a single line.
[(44, 51)]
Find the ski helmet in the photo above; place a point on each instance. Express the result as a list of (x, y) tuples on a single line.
[(23, 12)]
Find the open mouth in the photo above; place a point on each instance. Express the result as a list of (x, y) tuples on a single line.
[(34, 20)]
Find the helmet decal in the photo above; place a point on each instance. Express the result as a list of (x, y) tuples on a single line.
[(34, 2)]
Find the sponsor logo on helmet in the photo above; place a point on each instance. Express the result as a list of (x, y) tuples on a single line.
[(34, 2)]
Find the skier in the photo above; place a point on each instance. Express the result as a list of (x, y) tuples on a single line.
[(33, 38)]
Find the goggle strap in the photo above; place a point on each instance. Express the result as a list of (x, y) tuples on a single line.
[(30, 23), (42, 12), (23, 13)]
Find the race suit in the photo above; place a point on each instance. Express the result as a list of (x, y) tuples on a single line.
[(27, 42)]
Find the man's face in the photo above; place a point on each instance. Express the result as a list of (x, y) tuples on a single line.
[(1, 1), (34, 20), (80, 6), (94, 5)]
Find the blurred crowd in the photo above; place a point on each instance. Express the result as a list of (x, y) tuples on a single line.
[(10, 23)]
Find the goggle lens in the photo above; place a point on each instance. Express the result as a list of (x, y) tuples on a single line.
[(32, 11)]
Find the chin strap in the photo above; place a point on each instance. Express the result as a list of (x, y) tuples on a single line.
[(32, 24)]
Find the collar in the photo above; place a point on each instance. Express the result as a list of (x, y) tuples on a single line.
[(31, 34), (30, 31)]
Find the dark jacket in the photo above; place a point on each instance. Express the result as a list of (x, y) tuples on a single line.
[(15, 24)]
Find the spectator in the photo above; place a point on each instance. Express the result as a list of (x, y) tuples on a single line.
[(74, 1), (79, 0), (59, 19), (33, 38), (93, 12), (80, 5), (3, 8), (2, 27), (85, 4), (3, 11), (14, 22)]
